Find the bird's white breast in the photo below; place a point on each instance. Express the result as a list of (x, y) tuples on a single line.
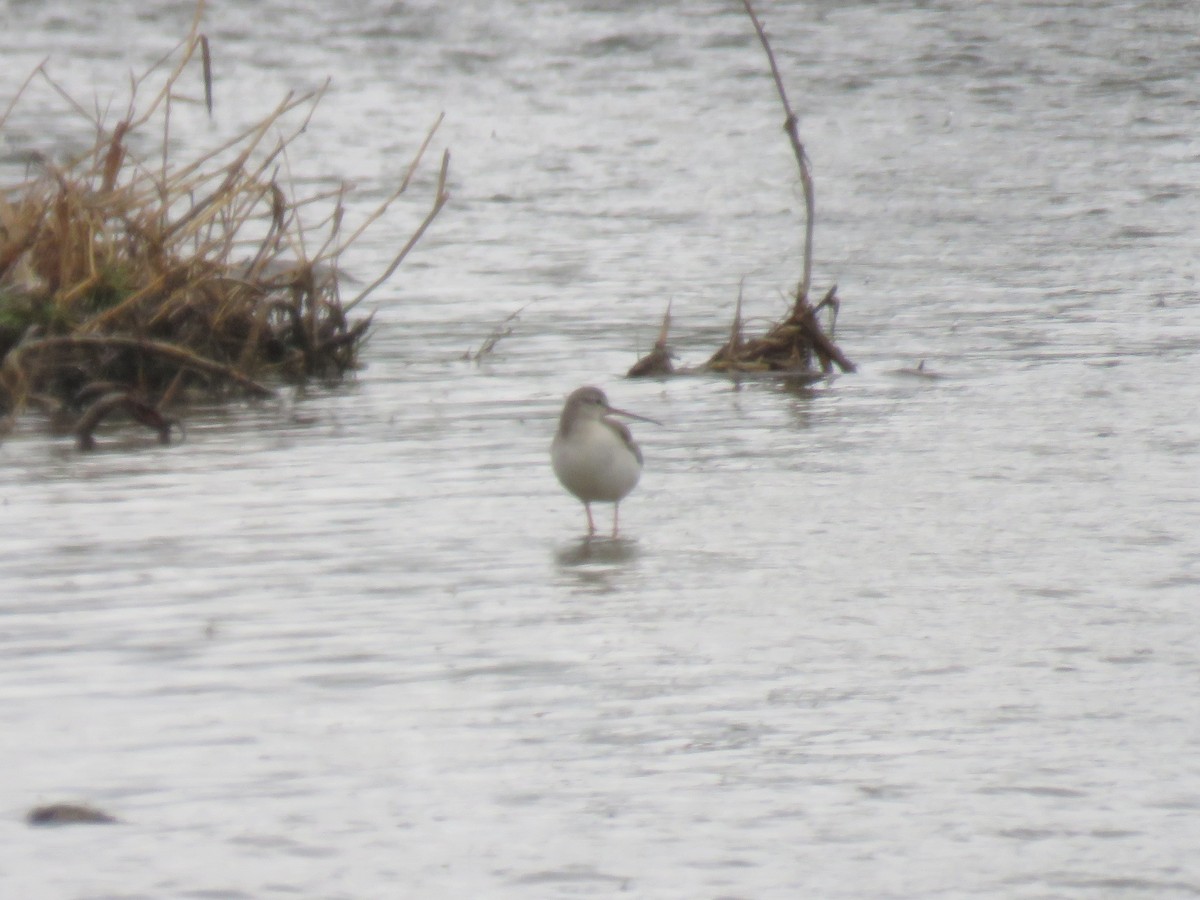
[(593, 462)]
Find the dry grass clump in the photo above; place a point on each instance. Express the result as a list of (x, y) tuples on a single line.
[(796, 344), (152, 279)]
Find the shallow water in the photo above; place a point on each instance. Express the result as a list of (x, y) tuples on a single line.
[(887, 636)]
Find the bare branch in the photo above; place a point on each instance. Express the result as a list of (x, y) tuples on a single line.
[(789, 125)]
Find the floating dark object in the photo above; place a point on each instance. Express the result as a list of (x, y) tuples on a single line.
[(919, 371), (68, 814), (658, 360), (141, 412), (796, 346), (791, 345)]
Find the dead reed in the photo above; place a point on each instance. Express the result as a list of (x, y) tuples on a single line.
[(799, 343), (159, 280)]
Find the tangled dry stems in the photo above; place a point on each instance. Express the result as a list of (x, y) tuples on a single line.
[(160, 280)]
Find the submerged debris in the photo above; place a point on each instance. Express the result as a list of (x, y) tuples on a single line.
[(138, 409), (161, 280), (788, 346), (797, 345), (68, 814), (919, 371), (497, 334)]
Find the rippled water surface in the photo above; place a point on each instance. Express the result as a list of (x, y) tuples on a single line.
[(888, 636)]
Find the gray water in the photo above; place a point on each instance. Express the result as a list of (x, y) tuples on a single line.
[(887, 636)]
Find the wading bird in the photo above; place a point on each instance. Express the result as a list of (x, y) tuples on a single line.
[(595, 456)]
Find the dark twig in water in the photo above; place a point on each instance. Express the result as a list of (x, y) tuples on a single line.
[(501, 331), (827, 351), (206, 61), (141, 412)]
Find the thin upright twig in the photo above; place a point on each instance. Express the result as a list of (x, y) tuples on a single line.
[(790, 126), (382, 208), (439, 201), (21, 90), (498, 333)]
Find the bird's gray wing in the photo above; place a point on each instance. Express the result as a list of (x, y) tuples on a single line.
[(627, 436)]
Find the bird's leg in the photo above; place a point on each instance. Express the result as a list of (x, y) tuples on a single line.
[(616, 511), (591, 525)]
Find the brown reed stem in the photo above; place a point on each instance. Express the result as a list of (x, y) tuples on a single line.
[(790, 126), (21, 90), (439, 201), (382, 208)]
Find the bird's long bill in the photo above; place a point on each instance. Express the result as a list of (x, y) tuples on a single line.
[(613, 411)]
